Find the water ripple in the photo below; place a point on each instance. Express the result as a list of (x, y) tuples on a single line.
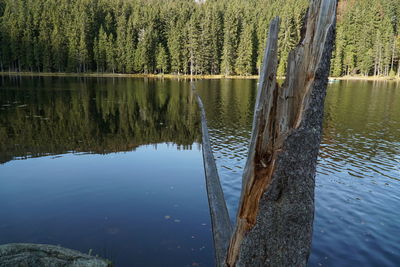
[(358, 171)]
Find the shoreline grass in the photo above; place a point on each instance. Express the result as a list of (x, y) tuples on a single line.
[(179, 76), (367, 78), (125, 75)]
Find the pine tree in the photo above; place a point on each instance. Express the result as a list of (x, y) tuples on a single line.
[(111, 53), (206, 38), (398, 54), (100, 50), (130, 46), (175, 47), (162, 59), (120, 43), (286, 43), (204, 48), (231, 34), (144, 55), (245, 58), (337, 60), (193, 46), (57, 45), (83, 55)]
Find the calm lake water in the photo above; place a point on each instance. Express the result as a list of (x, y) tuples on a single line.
[(114, 166)]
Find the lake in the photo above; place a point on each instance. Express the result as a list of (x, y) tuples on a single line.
[(114, 166)]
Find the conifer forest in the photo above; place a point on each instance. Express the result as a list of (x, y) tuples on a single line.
[(187, 37)]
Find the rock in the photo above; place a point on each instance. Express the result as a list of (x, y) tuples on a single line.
[(32, 255)]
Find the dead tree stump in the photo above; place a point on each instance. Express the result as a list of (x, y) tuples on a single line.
[(276, 210)]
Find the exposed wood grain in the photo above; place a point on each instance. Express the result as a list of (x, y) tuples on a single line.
[(275, 216), (221, 225), (254, 181)]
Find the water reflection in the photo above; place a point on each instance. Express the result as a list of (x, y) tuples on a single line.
[(74, 190), (229, 106), (358, 170), (358, 177), (362, 130), (42, 116)]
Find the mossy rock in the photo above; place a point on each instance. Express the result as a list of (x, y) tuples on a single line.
[(32, 255)]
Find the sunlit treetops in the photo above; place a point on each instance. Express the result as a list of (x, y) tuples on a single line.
[(186, 37)]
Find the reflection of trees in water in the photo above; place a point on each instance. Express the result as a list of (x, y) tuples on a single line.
[(42, 116), (229, 105), (361, 126)]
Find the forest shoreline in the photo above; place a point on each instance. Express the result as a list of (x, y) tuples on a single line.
[(126, 75), (179, 76)]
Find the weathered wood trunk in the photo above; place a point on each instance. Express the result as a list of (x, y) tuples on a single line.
[(398, 70), (276, 210), (275, 216), (221, 224)]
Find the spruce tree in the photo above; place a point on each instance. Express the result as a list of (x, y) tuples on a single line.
[(162, 59), (245, 60), (231, 34), (207, 37)]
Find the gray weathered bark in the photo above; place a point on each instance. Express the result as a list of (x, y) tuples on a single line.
[(276, 210), (221, 225)]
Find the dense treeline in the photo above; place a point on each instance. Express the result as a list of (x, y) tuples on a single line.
[(142, 36), (185, 36), (368, 38)]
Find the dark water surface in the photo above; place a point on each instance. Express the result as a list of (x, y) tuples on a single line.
[(357, 219), (115, 166)]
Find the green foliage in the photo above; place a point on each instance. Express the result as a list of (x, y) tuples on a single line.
[(180, 36), (162, 59), (366, 35), (245, 58)]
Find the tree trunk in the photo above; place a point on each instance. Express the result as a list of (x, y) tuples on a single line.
[(393, 55), (191, 63), (276, 210), (380, 62), (221, 224)]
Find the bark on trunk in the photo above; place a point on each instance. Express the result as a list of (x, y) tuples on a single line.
[(398, 69), (276, 210), (275, 216)]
